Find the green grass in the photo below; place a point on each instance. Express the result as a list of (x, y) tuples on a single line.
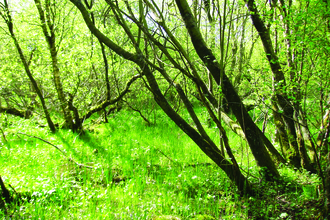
[(142, 172)]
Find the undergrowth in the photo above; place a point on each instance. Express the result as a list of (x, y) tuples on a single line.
[(139, 172)]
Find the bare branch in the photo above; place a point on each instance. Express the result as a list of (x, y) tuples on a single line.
[(70, 159)]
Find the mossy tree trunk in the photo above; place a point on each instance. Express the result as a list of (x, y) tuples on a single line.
[(48, 28), (281, 99), (327, 189), (249, 127)]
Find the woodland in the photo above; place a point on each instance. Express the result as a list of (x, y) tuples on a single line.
[(164, 109)]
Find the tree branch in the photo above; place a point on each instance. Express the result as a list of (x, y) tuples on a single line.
[(70, 159), (106, 103)]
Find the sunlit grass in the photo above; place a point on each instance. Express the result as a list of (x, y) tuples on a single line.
[(141, 172)]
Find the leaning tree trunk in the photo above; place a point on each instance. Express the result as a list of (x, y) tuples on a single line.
[(249, 127), (10, 25), (279, 80), (5, 192), (295, 76), (282, 137), (232, 171)]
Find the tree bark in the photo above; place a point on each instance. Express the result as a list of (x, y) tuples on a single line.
[(16, 112), (327, 189), (281, 134), (107, 102), (9, 23), (249, 127), (50, 37), (323, 134), (232, 172), (279, 81), (5, 192)]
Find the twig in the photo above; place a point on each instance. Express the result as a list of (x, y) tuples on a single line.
[(137, 110), (70, 159), (3, 135), (45, 141), (198, 164), (12, 188), (164, 154), (168, 157), (249, 174)]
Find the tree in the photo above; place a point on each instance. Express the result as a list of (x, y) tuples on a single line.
[(47, 18), (5, 14), (143, 59), (182, 53), (75, 108)]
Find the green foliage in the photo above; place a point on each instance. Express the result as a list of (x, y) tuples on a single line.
[(141, 172), (157, 172)]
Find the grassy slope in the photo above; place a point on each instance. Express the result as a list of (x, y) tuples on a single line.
[(142, 173)]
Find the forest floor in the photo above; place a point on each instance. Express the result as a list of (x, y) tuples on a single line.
[(127, 170)]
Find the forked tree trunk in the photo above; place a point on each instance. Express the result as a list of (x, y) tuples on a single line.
[(49, 33)]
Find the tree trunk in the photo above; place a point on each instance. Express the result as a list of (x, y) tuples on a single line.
[(322, 137), (279, 80), (5, 192), (309, 143), (238, 130), (305, 160), (50, 37), (59, 88), (230, 169), (27, 70), (249, 127), (232, 172), (327, 189)]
